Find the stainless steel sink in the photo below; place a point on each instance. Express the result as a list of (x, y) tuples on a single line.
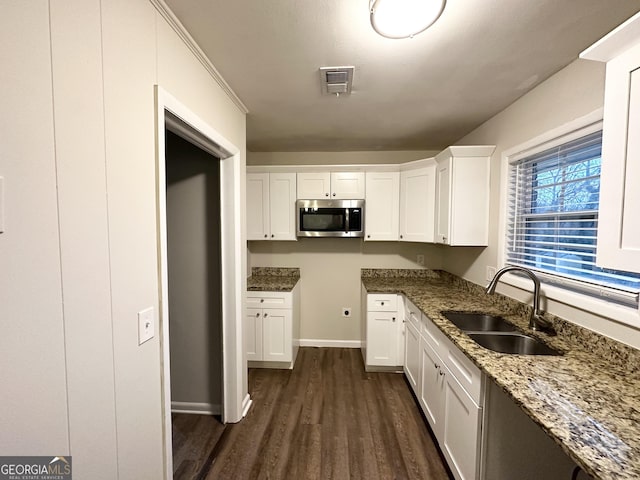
[(478, 322), (514, 343)]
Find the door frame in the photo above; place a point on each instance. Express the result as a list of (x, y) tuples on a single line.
[(233, 257)]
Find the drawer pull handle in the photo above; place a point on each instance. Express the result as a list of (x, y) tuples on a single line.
[(265, 315), (441, 373), (262, 300), (257, 315), (382, 303), (393, 319)]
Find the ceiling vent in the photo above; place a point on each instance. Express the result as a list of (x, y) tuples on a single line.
[(336, 80)]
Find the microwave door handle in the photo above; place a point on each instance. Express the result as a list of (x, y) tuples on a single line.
[(346, 220)]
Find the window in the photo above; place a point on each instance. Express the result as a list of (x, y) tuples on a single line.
[(554, 193)]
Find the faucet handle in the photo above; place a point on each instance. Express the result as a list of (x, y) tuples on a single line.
[(540, 324)]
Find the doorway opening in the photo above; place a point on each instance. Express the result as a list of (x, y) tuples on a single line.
[(194, 277), (173, 118), (195, 297)]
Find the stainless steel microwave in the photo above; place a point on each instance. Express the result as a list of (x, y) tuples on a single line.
[(330, 218)]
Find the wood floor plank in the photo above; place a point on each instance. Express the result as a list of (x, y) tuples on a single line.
[(326, 419)]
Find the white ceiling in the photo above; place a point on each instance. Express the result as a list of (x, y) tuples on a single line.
[(414, 94)]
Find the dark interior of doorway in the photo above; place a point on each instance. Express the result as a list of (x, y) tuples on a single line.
[(195, 296)]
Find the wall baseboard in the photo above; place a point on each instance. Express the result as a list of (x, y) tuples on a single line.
[(310, 342), (196, 408)]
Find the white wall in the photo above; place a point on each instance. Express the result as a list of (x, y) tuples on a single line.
[(79, 257), (575, 91), (33, 416), (336, 158), (330, 277), (330, 267)]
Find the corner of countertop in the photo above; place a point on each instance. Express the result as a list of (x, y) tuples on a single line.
[(275, 271)]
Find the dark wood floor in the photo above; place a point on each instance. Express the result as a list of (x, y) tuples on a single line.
[(326, 419)]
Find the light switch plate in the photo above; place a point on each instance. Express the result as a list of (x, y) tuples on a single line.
[(420, 259), (146, 325)]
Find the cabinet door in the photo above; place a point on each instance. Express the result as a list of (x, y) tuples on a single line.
[(412, 355), (460, 430), (253, 335), (443, 201), (431, 394), (313, 185), (462, 195), (276, 335), (382, 335), (348, 185), (382, 210), (618, 219), (417, 204), (282, 211), (258, 206)]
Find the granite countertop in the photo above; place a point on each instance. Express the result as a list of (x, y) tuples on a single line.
[(272, 279), (587, 400)]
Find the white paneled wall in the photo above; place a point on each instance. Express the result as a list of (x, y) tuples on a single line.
[(33, 417), (79, 253)]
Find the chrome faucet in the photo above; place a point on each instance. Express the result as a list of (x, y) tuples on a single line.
[(536, 320)]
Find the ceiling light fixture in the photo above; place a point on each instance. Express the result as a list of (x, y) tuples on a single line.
[(404, 18)]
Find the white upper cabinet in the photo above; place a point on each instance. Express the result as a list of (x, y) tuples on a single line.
[(417, 204), (271, 199), (462, 195), (325, 185), (258, 206), (618, 219), (382, 208), (348, 185), (314, 185)]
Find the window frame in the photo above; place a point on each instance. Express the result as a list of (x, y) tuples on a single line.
[(589, 123)]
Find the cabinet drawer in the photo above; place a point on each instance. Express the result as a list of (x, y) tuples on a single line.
[(463, 369), (269, 300), (382, 303), (432, 334), (412, 314)]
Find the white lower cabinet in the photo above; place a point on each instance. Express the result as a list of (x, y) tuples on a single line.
[(460, 435), (272, 328), (412, 355), (383, 345), (431, 391), (449, 388)]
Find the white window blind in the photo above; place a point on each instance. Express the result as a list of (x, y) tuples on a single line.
[(553, 219)]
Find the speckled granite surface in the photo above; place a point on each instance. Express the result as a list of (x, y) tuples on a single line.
[(587, 400), (272, 279)]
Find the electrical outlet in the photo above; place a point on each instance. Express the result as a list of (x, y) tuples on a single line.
[(346, 312), (146, 327), (420, 260), (491, 272)]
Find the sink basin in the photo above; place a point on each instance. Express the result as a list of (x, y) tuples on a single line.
[(478, 322), (514, 343)]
